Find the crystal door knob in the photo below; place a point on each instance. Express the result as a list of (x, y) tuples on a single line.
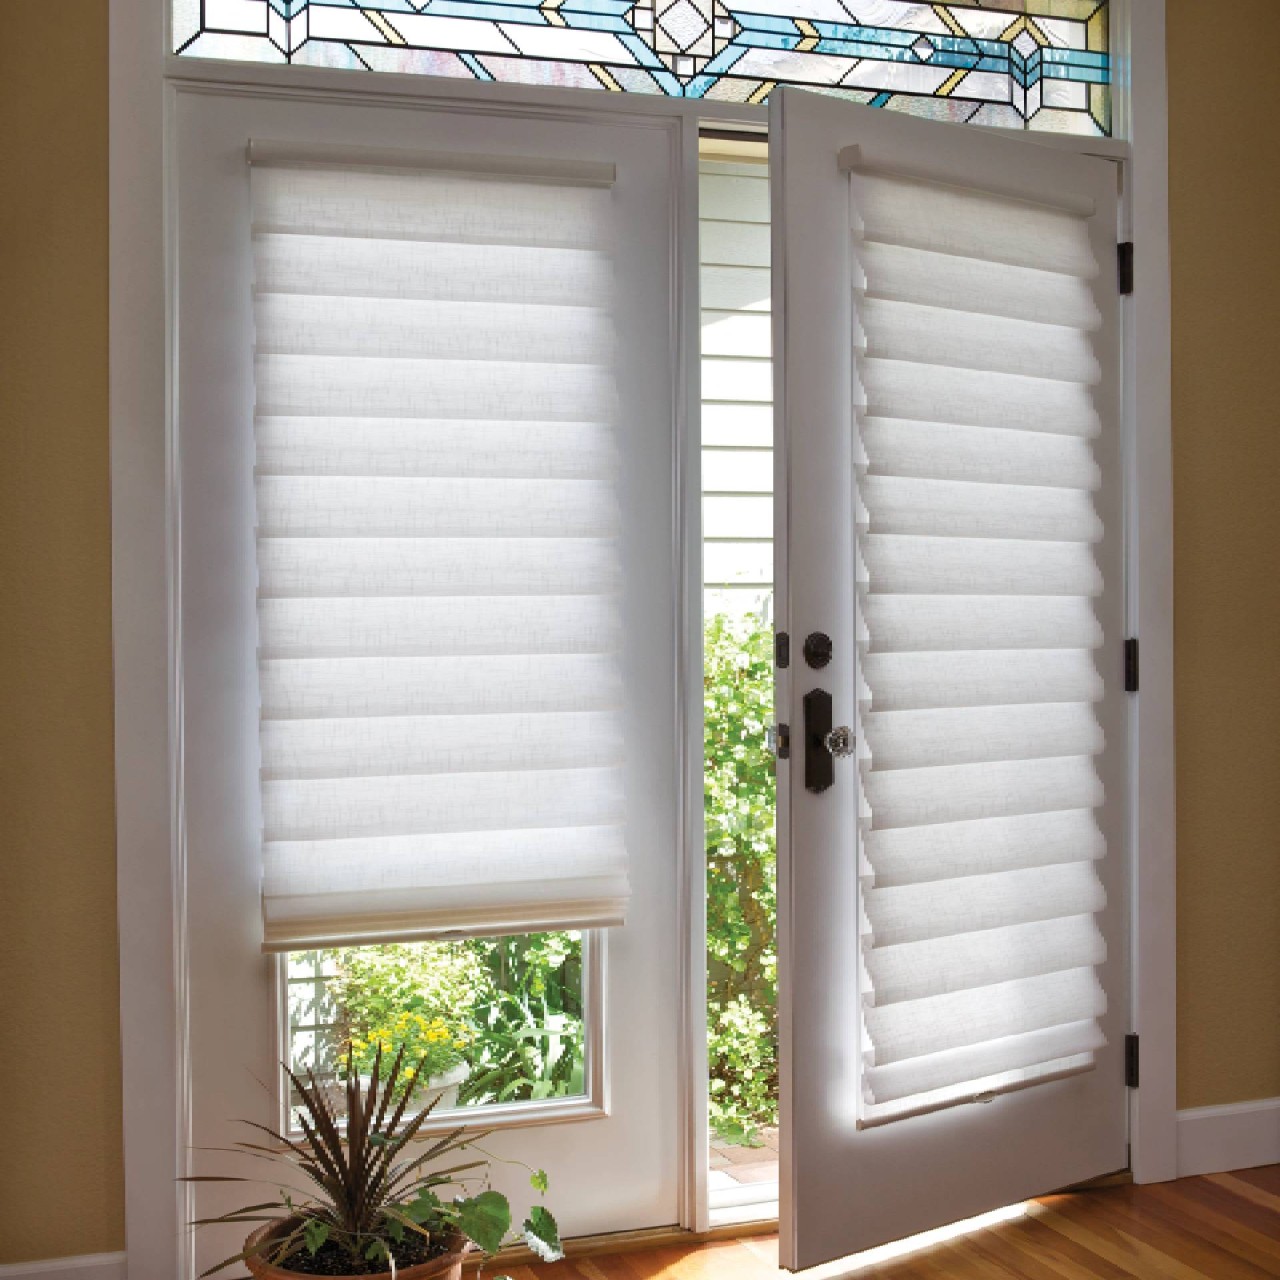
[(840, 741)]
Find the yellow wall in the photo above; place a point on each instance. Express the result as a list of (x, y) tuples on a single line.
[(1225, 207), (59, 1081)]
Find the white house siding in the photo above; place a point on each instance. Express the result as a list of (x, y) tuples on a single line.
[(737, 388)]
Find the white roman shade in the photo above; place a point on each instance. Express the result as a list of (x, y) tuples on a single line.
[(978, 683), (439, 573)]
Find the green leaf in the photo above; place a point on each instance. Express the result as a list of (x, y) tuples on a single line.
[(485, 1218), (426, 1205), (542, 1235), (314, 1234), (538, 1180)]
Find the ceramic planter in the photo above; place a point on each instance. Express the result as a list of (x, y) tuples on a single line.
[(448, 1266)]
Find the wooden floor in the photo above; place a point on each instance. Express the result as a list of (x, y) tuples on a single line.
[(1222, 1227)]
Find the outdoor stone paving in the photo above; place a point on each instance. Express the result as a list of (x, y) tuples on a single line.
[(732, 1164)]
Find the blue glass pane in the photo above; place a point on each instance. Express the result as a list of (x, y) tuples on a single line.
[(1029, 64)]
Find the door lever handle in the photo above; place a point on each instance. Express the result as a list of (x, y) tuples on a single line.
[(823, 742)]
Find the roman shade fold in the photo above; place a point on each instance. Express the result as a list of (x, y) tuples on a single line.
[(438, 527), (978, 677)]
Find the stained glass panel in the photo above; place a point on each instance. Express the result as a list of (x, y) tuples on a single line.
[(1037, 64)]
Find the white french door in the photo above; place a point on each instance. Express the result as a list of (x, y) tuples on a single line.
[(613, 1158), (952, 870)]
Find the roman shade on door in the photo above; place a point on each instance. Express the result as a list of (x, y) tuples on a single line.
[(975, 578), (439, 575), (952, 906)]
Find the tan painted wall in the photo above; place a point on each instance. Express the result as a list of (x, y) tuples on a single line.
[(1225, 206), (57, 938), (59, 1080)]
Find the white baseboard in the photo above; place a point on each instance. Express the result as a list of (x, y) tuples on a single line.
[(88, 1266), (1240, 1136)]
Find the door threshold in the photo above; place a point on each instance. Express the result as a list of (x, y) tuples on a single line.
[(734, 1219), (646, 1238)]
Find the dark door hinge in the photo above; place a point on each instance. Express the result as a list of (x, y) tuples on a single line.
[(1131, 665), (1131, 1060), (1124, 265), (781, 649)]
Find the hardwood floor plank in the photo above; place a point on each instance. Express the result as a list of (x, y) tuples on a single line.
[(1116, 1246), (764, 1247), (1267, 1177), (1217, 1228), (1000, 1248), (1248, 1190), (1076, 1261), (705, 1263), (1237, 1207), (939, 1262), (1176, 1239), (978, 1262), (1222, 1227)]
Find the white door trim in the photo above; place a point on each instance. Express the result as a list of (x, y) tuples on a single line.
[(146, 733), (1142, 100), (147, 737)]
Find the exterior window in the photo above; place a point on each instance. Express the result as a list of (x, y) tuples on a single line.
[(1037, 64), (494, 1021)]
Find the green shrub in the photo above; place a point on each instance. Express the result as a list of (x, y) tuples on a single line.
[(744, 1070), (528, 1035), (411, 995), (510, 1007), (740, 794)]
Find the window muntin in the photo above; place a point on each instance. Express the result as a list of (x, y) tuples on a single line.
[(1037, 64)]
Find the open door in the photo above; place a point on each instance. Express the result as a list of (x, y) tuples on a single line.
[(952, 887)]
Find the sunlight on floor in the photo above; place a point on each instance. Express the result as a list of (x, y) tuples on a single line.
[(898, 1248)]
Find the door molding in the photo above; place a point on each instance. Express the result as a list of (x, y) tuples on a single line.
[(1142, 102), (144, 544)]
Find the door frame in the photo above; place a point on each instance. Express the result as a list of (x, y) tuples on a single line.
[(143, 80)]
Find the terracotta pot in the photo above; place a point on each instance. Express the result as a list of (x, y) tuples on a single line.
[(448, 1266)]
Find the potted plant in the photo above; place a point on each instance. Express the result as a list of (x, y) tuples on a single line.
[(373, 1207)]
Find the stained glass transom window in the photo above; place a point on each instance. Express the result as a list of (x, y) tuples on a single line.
[(1039, 64)]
